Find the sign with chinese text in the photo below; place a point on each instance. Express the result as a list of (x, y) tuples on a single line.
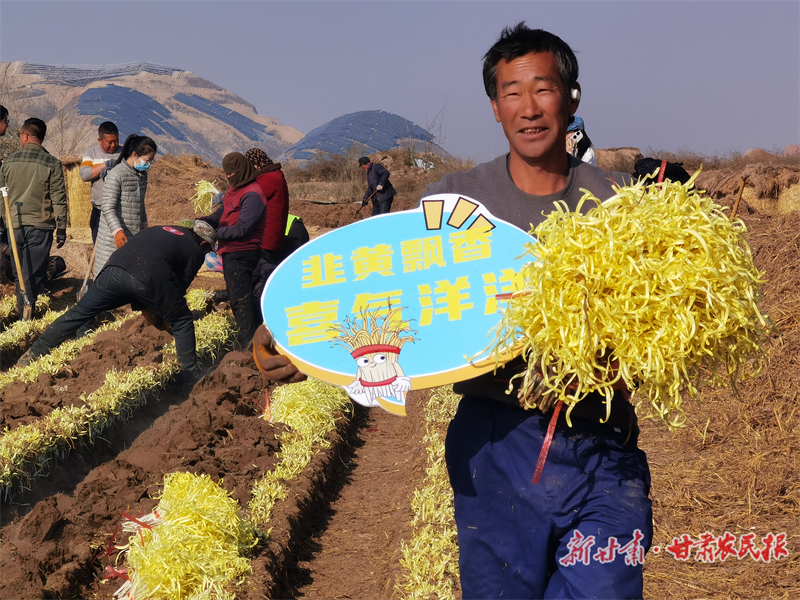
[(400, 301)]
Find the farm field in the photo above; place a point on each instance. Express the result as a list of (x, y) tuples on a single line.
[(93, 436)]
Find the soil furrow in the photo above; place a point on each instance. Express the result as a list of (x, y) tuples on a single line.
[(353, 549), (135, 344), (52, 551)]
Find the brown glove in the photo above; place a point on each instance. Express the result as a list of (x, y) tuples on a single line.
[(273, 365), (120, 239)]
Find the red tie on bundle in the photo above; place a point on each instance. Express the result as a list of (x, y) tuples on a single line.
[(547, 441)]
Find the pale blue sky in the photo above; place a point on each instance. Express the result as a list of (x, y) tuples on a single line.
[(712, 77)]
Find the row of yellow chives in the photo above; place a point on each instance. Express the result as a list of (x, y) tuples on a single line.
[(430, 558), (8, 306), (57, 359), (25, 451), (53, 362), (21, 330), (311, 410)]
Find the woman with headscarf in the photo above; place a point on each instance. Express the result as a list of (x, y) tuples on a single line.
[(272, 182), (240, 221)]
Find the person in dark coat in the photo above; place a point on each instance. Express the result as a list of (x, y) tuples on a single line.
[(378, 186), (152, 270)]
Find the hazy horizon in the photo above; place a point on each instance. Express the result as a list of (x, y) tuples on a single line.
[(710, 77)]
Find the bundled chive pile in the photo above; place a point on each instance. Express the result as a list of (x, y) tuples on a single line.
[(654, 286), (193, 545), (204, 197)]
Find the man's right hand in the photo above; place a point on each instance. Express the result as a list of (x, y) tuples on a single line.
[(120, 239), (273, 365)]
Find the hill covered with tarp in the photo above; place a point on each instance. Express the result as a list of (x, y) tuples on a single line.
[(369, 131), (183, 113)]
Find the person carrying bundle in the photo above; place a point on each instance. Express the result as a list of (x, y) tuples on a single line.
[(151, 271), (519, 539)]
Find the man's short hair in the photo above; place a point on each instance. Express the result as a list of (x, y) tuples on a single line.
[(107, 128), (520, 41), (3, 112), (35, 128), (364, 160)]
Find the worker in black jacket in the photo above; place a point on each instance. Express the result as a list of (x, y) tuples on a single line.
[(379, 188), (153, 270)]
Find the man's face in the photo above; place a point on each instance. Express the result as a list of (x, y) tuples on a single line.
[(109, 142), (533, 106), (365, 167), (4, 125)]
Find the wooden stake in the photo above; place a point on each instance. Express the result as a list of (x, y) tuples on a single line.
[(738, 199)]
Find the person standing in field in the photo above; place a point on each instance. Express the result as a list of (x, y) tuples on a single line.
[(578, 143), (122, 210), (96, 164), (276, 192), (240, 222), (378, 186), (37, 197), (3, 122), (584, 529)]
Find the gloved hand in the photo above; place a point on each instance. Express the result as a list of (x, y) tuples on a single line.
[(379, 187), (155, 320), (61, 237), (273, 365), (120, 239)]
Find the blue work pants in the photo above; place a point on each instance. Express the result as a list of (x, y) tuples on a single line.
[(518, 539)]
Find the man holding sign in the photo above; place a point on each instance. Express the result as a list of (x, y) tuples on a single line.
[(583, 529)]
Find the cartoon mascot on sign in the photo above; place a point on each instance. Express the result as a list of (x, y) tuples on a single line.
[(380, 380)]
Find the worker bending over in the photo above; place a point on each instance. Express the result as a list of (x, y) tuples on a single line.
[(153, 270)]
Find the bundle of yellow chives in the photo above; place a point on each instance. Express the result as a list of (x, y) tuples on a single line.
[(656, 278), (191, 546)]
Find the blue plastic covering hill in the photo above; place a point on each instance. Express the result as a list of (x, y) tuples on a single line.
[(80, 75), (375, 130), (132, 111), (254, 131)]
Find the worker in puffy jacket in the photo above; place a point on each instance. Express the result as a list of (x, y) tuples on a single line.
[(122, 211), (379, 188), (240, 222)]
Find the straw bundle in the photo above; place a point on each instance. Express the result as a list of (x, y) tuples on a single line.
[(79, 197)]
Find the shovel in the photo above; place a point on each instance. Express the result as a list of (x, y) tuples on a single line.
[(366, 201), (85, 286), (27, 309)]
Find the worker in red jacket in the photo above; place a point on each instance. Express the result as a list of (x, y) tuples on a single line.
[(240, 222), (269, 177)]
